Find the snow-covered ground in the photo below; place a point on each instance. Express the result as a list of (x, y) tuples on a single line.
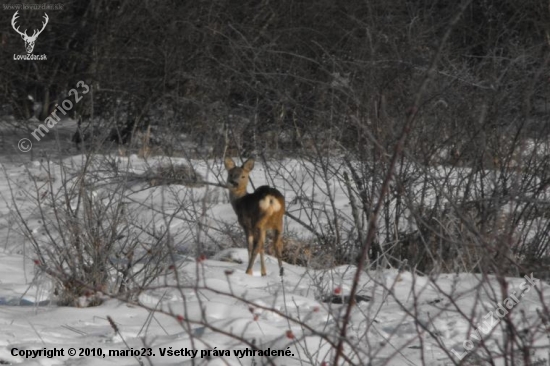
[(210, 310)]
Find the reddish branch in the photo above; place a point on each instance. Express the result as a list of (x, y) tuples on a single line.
[(371, 229)]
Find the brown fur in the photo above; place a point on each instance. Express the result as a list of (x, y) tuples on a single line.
[(257, 212)]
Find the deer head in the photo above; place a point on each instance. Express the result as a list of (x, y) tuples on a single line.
[(29, 40)]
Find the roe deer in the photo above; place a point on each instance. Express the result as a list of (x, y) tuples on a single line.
[(257, 212)]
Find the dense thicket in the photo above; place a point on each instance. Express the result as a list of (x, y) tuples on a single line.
[(300, 67), (307, 77)]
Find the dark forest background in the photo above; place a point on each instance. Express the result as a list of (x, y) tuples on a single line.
[(289, 71), (325, 78)]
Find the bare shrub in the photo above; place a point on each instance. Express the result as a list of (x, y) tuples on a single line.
[(174, 174), (91, 241)]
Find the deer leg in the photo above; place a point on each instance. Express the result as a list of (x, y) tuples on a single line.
[(278, 247), (262, 262), (250, 240), (261, 247), (256, 246)]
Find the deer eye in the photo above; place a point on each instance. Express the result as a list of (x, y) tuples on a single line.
[(242, 176)]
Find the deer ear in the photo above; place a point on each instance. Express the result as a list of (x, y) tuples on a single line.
[(248, 165), (229, 163)]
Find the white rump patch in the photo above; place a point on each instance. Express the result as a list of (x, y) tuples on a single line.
[(270, 203)]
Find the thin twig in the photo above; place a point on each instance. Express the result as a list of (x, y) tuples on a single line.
[(371, 230)]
